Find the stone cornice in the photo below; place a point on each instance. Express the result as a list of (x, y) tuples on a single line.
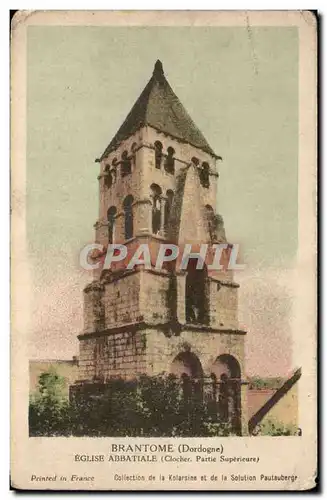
[(164, 327), (231, 284)]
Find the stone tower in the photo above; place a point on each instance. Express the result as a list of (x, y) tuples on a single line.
[(158, 184)]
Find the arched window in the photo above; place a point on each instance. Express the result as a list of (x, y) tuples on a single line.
[(133, 149), (187, 366), (210, 220), (186, 363), (111, 215), (197, 294), (204, 175), (156, 207), (168, 206), (158, 153), (126, 164), (227, 370), (128, 209), (170, 161), (195, 161), (107, 177), (227, 365)]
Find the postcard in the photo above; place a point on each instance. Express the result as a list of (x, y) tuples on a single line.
[(164, 250)]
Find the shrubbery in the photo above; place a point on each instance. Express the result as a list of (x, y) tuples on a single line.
[(152, 406), (265, 383), (49, 410), (272, 427)]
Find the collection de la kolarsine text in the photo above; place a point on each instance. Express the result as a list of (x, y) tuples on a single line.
[(141, 452)]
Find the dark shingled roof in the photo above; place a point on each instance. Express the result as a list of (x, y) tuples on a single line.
[(160, 108)]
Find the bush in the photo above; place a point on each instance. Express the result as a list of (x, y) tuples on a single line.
[(49, 409), (151, 406), (265, 383), (273, 427)]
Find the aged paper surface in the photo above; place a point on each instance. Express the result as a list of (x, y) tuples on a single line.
[(149, 372)]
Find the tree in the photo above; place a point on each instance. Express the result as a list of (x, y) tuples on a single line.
[(49, 409)]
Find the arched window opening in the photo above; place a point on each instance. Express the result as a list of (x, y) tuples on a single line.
[(228, 365), (210, 220), (113, 170), (204, 175), (197, 294), (133, 149), (156, 193), (220, 228), (107, 177), (128, 210), (170, 161), (126, 164), (168, 207), (223, 399), (158, 153), (195, 161), (187, 367), (227, 371), (186, 386), (111, 216), (187, 363)]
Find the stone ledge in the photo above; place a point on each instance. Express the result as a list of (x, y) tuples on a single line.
[(142, 325)]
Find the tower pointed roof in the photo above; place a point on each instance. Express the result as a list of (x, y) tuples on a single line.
[(159, 107)]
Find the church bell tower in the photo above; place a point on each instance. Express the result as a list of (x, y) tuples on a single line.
[(158, 184)]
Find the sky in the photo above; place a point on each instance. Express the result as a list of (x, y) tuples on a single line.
[(241, 89)]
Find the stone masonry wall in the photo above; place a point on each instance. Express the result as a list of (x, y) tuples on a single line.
[(154, 297), (207, 346), (119, 354), (121, 301), (223, 305), (117, 302), (150, 351)]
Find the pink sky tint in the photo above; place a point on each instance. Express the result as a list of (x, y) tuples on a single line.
[(265, 311), (57, 316)]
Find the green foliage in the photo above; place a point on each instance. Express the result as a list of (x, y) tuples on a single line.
[(51, 385), (49, 409), (265, 383), (112, 411), (150, 406), (272, 427)]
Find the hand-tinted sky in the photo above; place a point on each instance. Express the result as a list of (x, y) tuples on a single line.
[(240, 87)]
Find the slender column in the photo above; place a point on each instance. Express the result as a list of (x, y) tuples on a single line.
[(151, 212), (181, 282), (150, 215), (142, 211), (163, 202), (244, 409)]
